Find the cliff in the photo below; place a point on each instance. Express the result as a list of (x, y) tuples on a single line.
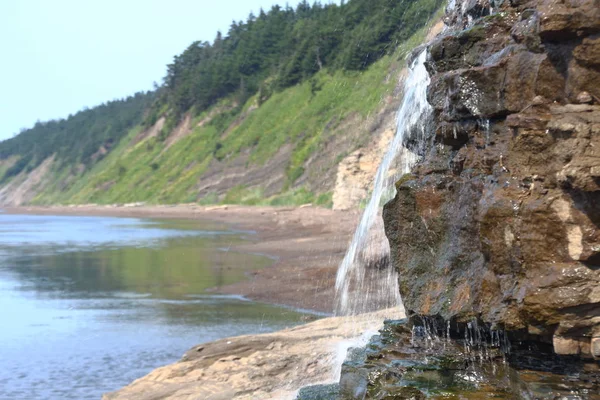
[(289, 107), (498, 223)]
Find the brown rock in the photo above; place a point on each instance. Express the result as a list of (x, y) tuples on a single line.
[(507, 232), (564, 20), (533, 121), (584, 98), (588, 52), (468, 93), (595, 347), (550, 82), (471, 47), (571, 346)]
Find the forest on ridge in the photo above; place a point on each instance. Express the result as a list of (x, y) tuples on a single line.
[(268, 54)]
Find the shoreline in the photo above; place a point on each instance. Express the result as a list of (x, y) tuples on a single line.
[(306, 245), (265, 366)]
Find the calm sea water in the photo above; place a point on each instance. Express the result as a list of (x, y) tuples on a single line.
[(89, 304)]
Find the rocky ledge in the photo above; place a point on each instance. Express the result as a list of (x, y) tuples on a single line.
[(267, 366), (499, 223), (416, 363)]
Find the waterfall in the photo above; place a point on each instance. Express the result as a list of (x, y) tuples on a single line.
[(365, 279)]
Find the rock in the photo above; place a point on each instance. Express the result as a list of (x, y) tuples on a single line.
[(499, 221), (538, 100), (434, 357), (596, 348), (405, 393), (565, 20), (354, 384), (526, 31), (218, 208), (584, 98), (319, 392), (469, 48), (267, 366), (571, 346), (588, 52)]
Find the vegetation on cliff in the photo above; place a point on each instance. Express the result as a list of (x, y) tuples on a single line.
[(283, 47), (264, 98), (78, 139), (297, 116)]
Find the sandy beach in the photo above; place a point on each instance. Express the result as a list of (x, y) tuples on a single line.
[(306, 243)]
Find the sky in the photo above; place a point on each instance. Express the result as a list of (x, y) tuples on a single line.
[(60, 56)]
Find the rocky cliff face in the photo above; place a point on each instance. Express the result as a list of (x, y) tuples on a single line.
[(500, 221)]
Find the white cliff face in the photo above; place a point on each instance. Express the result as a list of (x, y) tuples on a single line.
[(355, 173), (25, 186)]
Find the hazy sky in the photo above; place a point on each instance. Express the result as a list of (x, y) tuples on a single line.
[(59, 56)]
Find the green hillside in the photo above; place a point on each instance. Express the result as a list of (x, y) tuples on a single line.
[(216, 118), (79, 139)]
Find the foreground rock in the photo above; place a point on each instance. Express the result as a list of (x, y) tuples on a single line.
[(269, 366), (500, 222), (403, 363)]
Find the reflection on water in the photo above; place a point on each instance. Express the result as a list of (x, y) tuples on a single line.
[(89, 304)]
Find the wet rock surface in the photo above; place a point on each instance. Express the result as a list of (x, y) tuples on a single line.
[(433, 361), (499, 222), (319, 392)]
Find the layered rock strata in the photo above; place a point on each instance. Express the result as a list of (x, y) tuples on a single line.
[(500, 221)]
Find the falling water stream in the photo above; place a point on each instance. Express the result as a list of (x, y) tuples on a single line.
[(365, 280)]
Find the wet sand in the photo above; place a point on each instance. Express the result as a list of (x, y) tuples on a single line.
[(307, 244)]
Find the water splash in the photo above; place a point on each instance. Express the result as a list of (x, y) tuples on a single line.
[(365, 280)]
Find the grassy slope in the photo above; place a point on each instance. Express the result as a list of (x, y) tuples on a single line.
[(6, 164), (299, 116)]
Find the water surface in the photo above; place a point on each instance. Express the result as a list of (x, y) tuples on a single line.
[(88, 304)]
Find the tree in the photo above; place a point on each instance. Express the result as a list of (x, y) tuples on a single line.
[(286, 46)]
